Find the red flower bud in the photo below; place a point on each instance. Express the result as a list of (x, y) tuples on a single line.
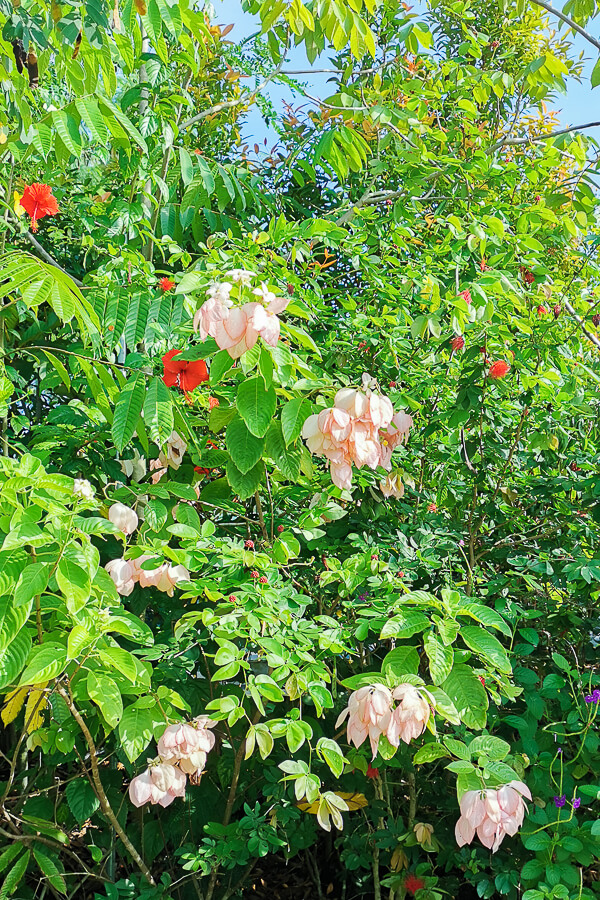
[(263, 579), (254, 573), (232, 598), (541, 310), (212, 402), (249, 545), (556, 311), (457, 342), (280, 528), (596, 320)]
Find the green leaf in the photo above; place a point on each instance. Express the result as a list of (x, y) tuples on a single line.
[(220, 364), (121, 660), (127, 411), (77, 639), (440, 658), (485, 615), (32, 582), (493, 747), (135, 730), (429, 753), (12, 659), (11, 882), (244, 447), (486, 645), (45, 662), (401, 661), (50, 870), (467, 693), (286, 460), (245, 484), (81, 798), (293, 416), (256, 405), (405, 624), (295, 736), (74, 583), (158, 411), (595, 77), (103, 691), (12, 619), (330, 752)]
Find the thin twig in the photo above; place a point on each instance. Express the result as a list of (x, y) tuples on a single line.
[(560, 15), (99, 789)]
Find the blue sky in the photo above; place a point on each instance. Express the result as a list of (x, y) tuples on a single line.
[(575, 108)]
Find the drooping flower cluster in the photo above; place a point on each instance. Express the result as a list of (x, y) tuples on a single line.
[(371, 713), (491, 814), (360, 429), (182, 752), (237, 328), (82, 488), (176, 448), (126, 573)]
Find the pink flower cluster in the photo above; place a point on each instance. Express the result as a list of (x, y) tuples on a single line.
[(492, 814), (126, 573), (360, 429), (237, 328), (372, 713), (176, 448), (182, 752)]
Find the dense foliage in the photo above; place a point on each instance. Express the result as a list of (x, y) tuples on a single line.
[(300, 451)]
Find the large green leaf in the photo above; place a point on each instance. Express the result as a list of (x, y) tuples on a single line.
[(13, 658), (104, 692), (12, 619), (127, 411), (440, 658), (44, 663), (405, 624), (135, 730), (468, 695), (245, 484), (256, 405), (293, 416), (286, 459), (244, 448), (81, 798), (486, 645), (32, 582)]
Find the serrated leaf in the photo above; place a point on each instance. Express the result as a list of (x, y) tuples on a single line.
[(158, 411), (82, 800), (127, 411)]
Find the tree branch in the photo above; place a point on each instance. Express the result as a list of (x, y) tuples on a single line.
[(568, 21), (47, 258), (99, 789), (513, 142), (229, 104), (582, 325)]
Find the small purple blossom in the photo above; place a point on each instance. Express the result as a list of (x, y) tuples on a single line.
[(576, 802), (594, 697), (559, 751), (363, 597), (559, 802), (461, 543)]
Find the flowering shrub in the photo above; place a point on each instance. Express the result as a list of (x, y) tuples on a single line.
[(298, 475)]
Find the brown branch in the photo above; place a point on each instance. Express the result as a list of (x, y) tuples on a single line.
[(99, 789), (514, 142), (581, 323), (261, 518), (47, 258)]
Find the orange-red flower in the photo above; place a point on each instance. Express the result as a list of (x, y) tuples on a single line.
[(457, 342), (499, 369), (183, 374), (165, 284), (37, 201)]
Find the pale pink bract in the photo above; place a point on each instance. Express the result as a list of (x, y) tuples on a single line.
[(159, 784), (491, 814), (123, 517)]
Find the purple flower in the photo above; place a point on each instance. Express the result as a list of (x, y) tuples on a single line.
[(559, 802), (559, 751), (461, 543), (594, 697), (576, 802), (363, 597)]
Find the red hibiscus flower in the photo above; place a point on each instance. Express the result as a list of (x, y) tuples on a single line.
[(457, 342), (37, 201), (165, 284), (413, 883), (183, 374), (499, 369)]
